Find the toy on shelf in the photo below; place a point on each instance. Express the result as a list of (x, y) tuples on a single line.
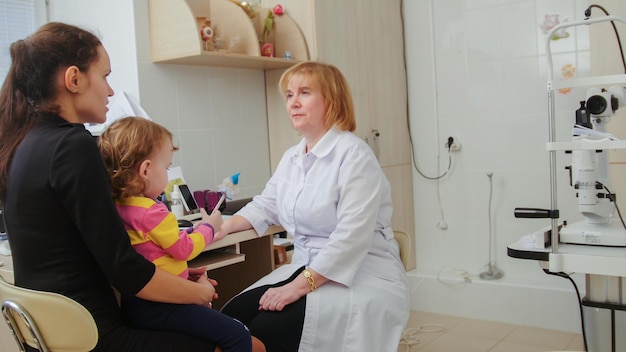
[(229, 186), (267, 45), (267, 50), (268, 24), (207, 34), (278, 10)]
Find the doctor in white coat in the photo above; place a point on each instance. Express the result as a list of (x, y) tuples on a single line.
[(345, 288)]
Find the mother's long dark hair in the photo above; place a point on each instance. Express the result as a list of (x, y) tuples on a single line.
[(30, 85)]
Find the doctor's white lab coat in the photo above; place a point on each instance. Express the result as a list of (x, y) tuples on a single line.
[(336, 202)]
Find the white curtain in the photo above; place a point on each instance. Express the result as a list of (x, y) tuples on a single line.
[(18, 19)]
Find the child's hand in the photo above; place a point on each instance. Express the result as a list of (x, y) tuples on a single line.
[(215, 219), (195, 273)]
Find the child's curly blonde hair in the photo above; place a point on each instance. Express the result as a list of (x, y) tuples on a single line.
[(124, 145)]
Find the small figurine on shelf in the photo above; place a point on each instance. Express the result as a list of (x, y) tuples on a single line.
[(278, 10), (268, 24), (267, 47), (229, 186), (207, 34), (267, 50)]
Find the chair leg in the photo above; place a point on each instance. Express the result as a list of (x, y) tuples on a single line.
[(12, 324), (9, 309)]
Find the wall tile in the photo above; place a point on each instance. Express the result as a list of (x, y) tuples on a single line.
[(516, 31), (158, 93), (225, 99)]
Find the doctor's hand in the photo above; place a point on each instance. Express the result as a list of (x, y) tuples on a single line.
[(277, 298)]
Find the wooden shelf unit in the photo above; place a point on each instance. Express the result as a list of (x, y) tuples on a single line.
[(228, 250), (217, 259), (175, 35)]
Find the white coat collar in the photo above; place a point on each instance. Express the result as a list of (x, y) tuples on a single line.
[(323, 146)]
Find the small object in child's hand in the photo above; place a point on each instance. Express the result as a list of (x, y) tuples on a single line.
[(219, 204)]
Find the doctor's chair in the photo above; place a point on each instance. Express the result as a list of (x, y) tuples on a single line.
[(404, 241), (47, 321)]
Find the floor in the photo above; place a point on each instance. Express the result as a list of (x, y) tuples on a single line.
[(428, 332), (7, 343)]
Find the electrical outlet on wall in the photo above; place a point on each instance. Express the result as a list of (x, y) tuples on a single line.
[(453, 143), (372, 141)]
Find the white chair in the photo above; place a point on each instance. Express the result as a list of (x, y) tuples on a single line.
[(404, 241), (47, 321)]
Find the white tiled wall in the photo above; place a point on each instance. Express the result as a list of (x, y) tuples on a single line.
[(218, 118), (478, 70)]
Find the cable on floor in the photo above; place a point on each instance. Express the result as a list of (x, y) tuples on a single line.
[(462, 273), (410, 336), (580, 303)]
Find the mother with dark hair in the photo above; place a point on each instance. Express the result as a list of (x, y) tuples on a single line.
[(64, 230)]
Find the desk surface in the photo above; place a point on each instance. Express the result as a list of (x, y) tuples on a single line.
[(589, 259), (242, 236)]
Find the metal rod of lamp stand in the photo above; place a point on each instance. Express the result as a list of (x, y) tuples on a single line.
[(492, 273)]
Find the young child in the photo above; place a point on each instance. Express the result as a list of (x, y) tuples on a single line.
[(137, 153)]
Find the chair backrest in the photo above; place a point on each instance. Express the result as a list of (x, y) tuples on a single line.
[(47, 321), (404, 240)]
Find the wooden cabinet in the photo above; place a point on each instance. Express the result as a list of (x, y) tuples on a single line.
[(251, 258), (363, 38)]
